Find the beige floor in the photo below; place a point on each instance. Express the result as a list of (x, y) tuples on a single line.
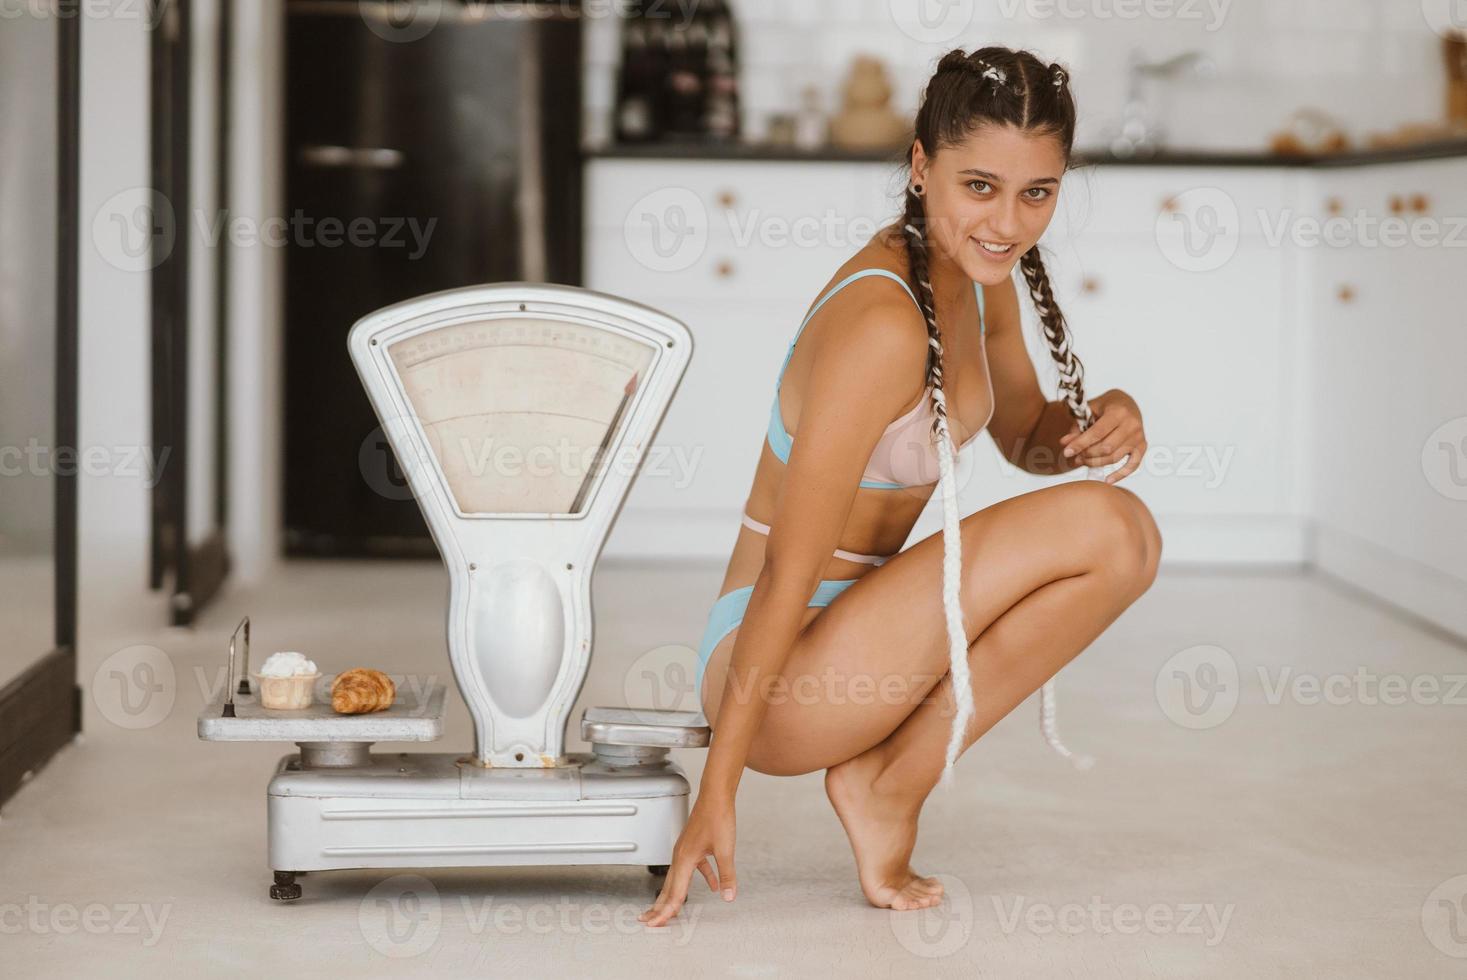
[(1286, 839)]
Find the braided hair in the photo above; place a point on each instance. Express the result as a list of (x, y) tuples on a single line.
[(1000, 86)]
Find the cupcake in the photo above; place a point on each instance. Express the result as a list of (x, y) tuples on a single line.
[(286, 681)]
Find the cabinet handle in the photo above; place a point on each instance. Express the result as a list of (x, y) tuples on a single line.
[(1347, 293), (724, 269), (1420, 203), (364, 157), (1089, 285), (1169, 205), (1334, 206), (1398, 204), (726, 199)]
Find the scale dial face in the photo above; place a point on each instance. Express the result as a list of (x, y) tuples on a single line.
[(521, 414)]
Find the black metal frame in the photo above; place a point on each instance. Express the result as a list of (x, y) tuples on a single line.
[(199, 570), (40, 711)]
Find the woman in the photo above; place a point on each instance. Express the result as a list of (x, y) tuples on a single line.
[(925, 650)]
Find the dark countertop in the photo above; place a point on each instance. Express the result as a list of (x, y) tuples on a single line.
[(1170, 158)]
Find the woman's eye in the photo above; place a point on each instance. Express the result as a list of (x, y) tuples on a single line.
[(983, 182), (1043, 193)]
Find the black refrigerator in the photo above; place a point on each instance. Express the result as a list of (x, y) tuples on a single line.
[(428, 147)]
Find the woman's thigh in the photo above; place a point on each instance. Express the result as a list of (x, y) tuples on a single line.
[(861, 665)]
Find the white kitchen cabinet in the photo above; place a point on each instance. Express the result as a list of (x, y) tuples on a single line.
[(1272, 398), (1388, 350)]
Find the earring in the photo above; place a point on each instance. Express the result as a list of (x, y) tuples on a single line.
[(917, 189)]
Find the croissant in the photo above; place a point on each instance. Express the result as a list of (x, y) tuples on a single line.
[(360, 690)]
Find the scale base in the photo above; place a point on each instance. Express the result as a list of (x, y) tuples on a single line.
[(442, 809)]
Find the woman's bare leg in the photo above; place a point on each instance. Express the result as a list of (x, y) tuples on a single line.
[(878, 795), (861, 666), (1055, 559)]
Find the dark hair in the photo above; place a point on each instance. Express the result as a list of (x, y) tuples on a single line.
[(1002, 87)]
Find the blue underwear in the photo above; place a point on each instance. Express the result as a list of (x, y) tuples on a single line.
[(728, 613)]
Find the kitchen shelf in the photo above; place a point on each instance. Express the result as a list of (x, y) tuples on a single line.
[(1171, 158)]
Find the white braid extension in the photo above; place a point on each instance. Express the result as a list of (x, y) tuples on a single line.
[(989, 71), (1048, 726), (952, 561)]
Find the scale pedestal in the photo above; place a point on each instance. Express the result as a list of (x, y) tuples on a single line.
[(335, 804), (454, 376)]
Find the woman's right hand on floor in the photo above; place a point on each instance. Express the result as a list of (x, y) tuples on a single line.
[(710, 830)]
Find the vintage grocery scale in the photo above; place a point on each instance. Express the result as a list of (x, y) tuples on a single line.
[(454, 377)]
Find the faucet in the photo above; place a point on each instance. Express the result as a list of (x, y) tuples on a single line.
[(1139, 132)]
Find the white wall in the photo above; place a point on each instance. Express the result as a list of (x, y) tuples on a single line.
[(115, 340), (114, 336)]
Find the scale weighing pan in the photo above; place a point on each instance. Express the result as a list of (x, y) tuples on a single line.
[(520, 414)]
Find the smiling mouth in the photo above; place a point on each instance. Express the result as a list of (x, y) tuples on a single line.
[(995, 248)]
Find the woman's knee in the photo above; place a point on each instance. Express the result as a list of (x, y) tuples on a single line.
[(1116, 529)]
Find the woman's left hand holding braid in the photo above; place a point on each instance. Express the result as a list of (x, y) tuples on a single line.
[(1116, 432)]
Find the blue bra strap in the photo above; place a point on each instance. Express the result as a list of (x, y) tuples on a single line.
[(982, 319), (859, 273)]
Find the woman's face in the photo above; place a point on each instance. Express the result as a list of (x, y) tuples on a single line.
[(996, 188)]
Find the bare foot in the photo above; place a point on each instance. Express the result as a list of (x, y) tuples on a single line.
[(883, 832)]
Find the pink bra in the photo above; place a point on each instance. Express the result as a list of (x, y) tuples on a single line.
[(905, 455)]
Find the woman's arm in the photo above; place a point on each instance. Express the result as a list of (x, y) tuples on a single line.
[(866, 371), (1025, 427)]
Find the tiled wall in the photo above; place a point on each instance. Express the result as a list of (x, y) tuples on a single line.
[(1372, 63)]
